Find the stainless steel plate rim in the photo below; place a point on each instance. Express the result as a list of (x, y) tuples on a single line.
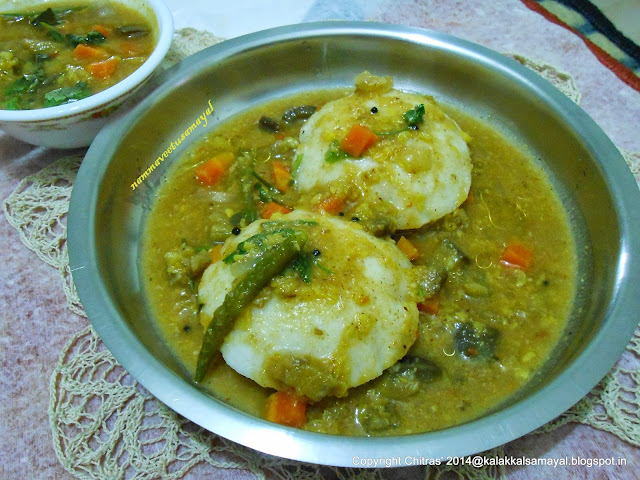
[(479, 435)]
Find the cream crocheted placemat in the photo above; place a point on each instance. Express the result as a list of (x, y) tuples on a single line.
[(105, 425)]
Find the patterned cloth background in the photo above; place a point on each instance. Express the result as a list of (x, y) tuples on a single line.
[(613, 49)]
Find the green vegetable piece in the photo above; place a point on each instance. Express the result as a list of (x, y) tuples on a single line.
[(42, 57), (296, 163), (63, 95), (335, 153), (53, 33), (245, 164), (259, 240), (273, 190), (475, 340), (414, 116), (47, 17), (242, 294), (59, 12)]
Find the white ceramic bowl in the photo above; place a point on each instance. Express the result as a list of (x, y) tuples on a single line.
[(76, 124)]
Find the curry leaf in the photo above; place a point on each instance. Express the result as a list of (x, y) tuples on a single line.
[(48, 17)]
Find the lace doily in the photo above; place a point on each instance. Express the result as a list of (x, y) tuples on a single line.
[(105, 425)]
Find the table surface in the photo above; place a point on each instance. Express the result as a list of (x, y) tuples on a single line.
[(35, 322)]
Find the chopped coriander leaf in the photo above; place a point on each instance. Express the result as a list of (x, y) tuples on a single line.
[(12, 104), (95, 38), (302, 266), (74, 40), (28, 83), (63, 95), (92, 38), (414, 116)]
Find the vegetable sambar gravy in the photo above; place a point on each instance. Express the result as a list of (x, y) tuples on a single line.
[(494, 277)]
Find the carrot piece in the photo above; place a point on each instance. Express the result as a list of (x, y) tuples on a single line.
[(83, 51), (408, 248), (286, 409), (430, 305), (212, 171), (281, 176), (105, 68), (216, 253), (106, 31), (331, 205), (273, 207), (517, 255), (358, 139)]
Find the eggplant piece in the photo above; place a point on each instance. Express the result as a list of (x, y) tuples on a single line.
[(444, 260), (377, 414), (475, 340), (268, 124), (405, 377), (298, 113), (133, 31)]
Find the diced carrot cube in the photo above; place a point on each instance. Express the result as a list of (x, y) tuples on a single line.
[(331, 205), (273, 207), (430, 305), (358, 139), (408, 248), (517, 255), (106, 31), (86, 52), (286, 409), (104, 69), (281, 176), (214, 169), (216, 253)]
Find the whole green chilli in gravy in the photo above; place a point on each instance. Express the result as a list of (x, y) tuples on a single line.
[(494, 278), (62, 53)]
